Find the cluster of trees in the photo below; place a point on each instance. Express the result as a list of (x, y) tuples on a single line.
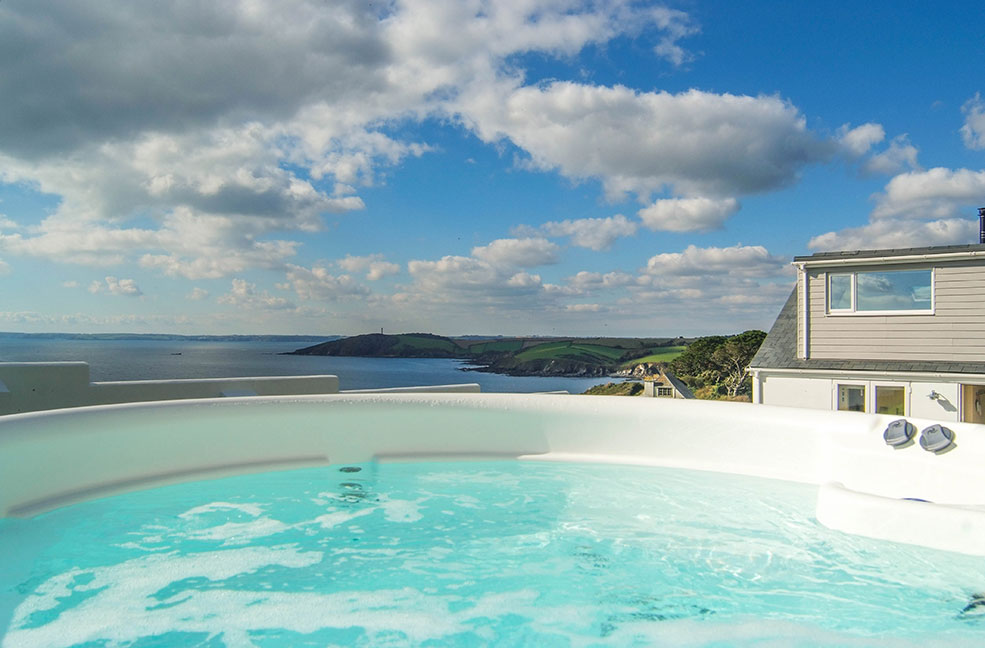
[(715, 366)]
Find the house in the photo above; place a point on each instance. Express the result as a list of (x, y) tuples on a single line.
[(897, 332), (664, 384)]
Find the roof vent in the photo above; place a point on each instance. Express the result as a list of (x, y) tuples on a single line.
[(937, 439), (899, 433)]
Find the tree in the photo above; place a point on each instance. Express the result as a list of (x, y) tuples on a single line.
[(696, 358), (734, 355), (718, 362)]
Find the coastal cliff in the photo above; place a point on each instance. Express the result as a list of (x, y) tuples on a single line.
[(574, 357)]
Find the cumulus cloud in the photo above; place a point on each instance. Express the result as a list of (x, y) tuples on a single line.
[(915, 209), (899, 155), (677, 25), (457, 275), (973, 131), (114, 286), (245, 295), (898, 233), (197, 294), (375, 266), (859, 140), (688, 214), (318, 284), (288, 118), (523, 253), (937, 193), (591, 233), (695, 143), (738, 260)]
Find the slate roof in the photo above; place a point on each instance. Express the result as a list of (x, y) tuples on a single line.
[(678, 385), (872, 254), (779, 350)]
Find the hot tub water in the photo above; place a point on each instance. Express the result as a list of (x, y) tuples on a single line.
[(510, 553)]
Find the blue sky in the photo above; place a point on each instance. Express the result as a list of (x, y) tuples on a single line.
[(512, 167)]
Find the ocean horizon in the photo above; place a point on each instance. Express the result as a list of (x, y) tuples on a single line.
[(151, 357)]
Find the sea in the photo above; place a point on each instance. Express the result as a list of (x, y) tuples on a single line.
[(159, 359)]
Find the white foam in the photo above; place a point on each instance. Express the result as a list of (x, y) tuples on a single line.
[(335, 518), (253, 510), (402, 510)]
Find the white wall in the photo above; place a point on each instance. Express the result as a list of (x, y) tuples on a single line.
[(819, 392), (789, 391), (34, 386)]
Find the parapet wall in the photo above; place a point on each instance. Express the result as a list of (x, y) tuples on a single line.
[(34, 386)]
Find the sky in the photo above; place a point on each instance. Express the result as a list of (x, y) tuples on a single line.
[(470, 167)]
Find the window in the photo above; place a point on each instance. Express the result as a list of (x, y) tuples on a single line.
[(890, 400), (888, 291), (665, 391), (851, 398)]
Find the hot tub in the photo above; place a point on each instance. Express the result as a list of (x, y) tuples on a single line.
[(399, 518)]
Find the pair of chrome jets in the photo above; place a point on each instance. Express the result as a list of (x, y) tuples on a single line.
[(936, 438)]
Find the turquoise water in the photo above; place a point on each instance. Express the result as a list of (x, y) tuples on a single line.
[(471, 554)]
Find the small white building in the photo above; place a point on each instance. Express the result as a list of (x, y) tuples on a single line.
[(664, 384), (883, 331)]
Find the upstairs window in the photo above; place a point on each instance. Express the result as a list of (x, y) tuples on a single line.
[(886, 291)]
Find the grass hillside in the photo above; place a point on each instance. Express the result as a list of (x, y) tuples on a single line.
[(516, 356), (616, 389), (571, 350), (666, 354)]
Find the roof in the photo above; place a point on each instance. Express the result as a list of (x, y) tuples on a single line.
[(678, 385), (779, 351), (892, 252)]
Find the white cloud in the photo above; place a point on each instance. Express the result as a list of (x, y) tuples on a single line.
[(695, 143), (288, 118), (375, 266), (735, 261), (688, 214), (592, 233), (318, 284), (114, 286), (586, 282), (522, 253), (245, 295), (585, 308), (915, 209), (898, 233), (934, 194), (677, 25), (859, 140), (70, 284), (197, 294), (899, 155), (4, 267), (973, 131)]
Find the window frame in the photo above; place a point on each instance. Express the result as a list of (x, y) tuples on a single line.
[(905, 386), (853, 291), (866, 394)]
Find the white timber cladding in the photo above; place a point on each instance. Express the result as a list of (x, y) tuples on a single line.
[(955, 331)]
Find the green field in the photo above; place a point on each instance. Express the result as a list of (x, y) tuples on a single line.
[(666, 354), (496, 345), (424, 342), (571, 351)]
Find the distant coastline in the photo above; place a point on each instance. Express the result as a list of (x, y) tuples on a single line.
[(171, 337), (527, 356)]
